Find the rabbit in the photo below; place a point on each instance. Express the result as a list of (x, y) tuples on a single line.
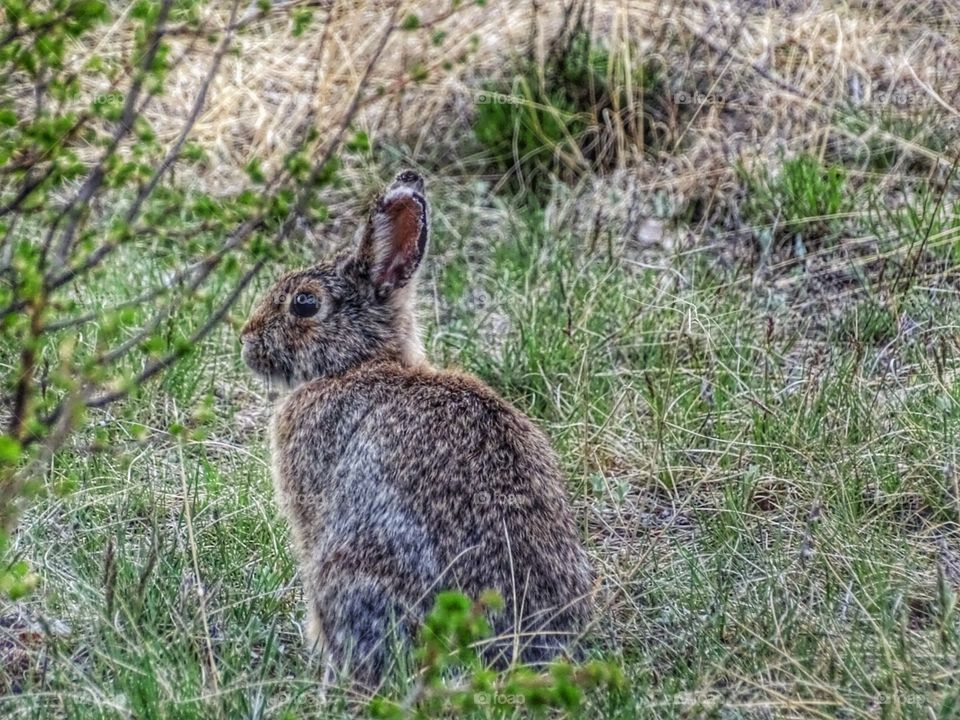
[(398, 479)]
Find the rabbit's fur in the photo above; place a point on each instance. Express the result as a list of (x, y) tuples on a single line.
[(400, 480)]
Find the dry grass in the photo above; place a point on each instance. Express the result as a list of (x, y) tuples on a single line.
[(781, 72), (748, 80)]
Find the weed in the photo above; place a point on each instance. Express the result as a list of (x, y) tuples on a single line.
[(800, 205)]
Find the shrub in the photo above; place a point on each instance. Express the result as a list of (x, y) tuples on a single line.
[(88, 202), (452, 679), (580, 111)]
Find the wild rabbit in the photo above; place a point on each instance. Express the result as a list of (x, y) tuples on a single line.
[(398, 479)]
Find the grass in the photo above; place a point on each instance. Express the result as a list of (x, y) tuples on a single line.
[(773, 513), (799, 206), (761, 446), (574, 113)]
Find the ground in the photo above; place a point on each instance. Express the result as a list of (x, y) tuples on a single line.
[(749, 370)]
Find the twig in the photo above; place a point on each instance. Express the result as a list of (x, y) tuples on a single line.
[(334, 144), (95, 178), (198, 105), (168, 359)]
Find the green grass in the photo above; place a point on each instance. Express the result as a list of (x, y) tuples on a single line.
[(758, 417), (882, 135), (799, 205), (574, 115), (773, 512)]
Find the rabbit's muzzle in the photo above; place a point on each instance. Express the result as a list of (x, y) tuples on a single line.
[(250, 353)]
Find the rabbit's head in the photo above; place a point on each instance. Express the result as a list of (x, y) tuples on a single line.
[(327, 319)]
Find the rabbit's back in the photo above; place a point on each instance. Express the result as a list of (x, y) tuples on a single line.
[(441, 482)]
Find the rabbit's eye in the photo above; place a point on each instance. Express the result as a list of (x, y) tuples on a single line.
[(304, 305)]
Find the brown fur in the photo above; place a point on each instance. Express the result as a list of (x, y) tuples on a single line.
[(399, 480)]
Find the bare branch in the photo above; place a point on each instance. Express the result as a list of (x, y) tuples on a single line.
[(201, 275), (334, 144), (170, 358)]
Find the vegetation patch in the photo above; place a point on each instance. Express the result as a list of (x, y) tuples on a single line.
[(799, 206), (583, 110), (727, 292)]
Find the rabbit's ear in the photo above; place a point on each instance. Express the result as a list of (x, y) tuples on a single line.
[(396, 236)]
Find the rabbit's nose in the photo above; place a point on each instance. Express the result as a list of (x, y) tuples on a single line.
[(248, 330)]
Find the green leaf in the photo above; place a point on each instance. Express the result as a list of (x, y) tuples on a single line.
[(193, 152), (301, 21), (360, 143), (144, 10), (328, 173), (10, 450), (419, 72), (297, 165), (17, 581), (91, 10), (255, 171)]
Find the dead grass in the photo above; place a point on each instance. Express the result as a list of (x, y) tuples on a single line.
[(747, 81)]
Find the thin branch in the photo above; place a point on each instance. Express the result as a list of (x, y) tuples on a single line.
[(108, 247), (27, 368), (6, 245), (54, 282), (57, 414), (170, 358), (236, 240), (206, 268), (198, 105), (30, 184), (12, 486), (334, 144), (193, 268), (95, 178)]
